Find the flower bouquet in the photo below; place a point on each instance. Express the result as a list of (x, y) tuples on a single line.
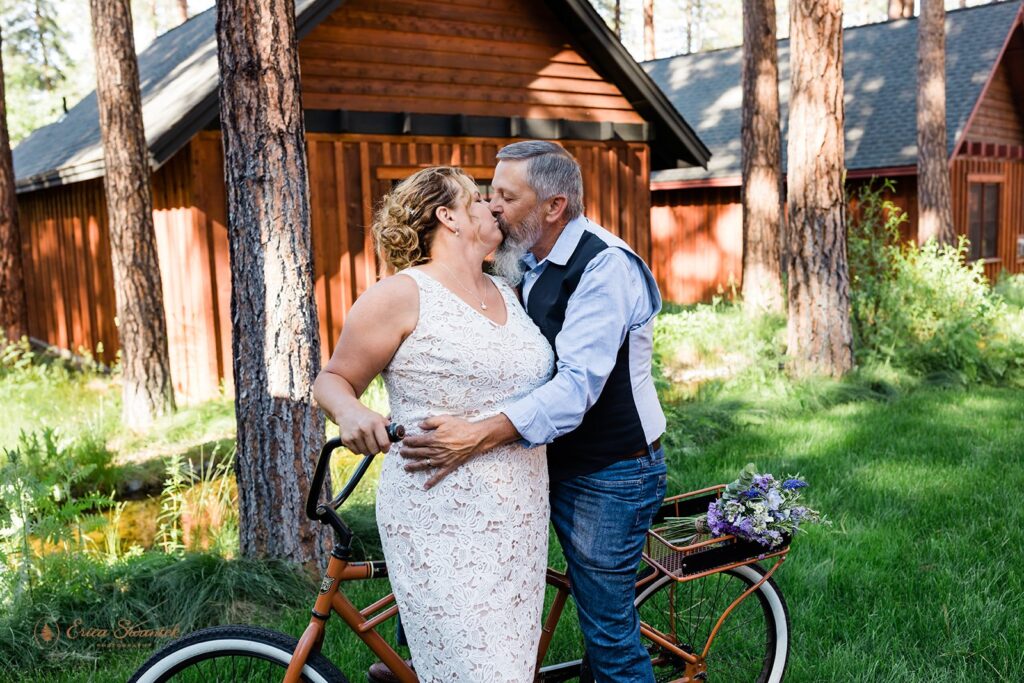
[(756, 507)]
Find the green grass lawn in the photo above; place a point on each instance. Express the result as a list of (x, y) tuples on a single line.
[(918, 579)]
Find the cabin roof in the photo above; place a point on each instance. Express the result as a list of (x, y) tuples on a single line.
[(178, 78), (880, 72)]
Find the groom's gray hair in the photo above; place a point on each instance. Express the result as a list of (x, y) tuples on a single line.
[(550, 171)]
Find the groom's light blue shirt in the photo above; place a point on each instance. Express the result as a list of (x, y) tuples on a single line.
[(617, 295)]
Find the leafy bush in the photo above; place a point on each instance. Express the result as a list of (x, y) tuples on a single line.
[(693, 344), (923, 308), (1010, 288), (45, 499)]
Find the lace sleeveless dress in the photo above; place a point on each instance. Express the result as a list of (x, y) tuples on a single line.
[(467, 558)]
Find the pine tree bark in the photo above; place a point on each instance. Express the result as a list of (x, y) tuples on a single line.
[(934, 202), (819, 335), (275, 337), (182, 11), (142, 328), (618, 19), (901, 9), (761, 188), (13, 305), (649, 29)]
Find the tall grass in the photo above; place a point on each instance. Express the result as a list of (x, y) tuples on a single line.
[(153, 591)]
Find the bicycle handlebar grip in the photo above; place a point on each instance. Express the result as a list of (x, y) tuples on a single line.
[(396, 432)]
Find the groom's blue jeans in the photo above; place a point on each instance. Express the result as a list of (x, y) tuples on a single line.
[(601, 520)]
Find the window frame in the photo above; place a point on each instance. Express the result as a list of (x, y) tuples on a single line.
[(982, 182)]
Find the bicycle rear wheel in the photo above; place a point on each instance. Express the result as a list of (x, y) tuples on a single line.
[(232, 653), (752, 646)]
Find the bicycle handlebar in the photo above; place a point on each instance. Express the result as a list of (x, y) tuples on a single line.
[(324, 512)]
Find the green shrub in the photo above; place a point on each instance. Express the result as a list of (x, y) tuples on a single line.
[(1010, 287), (45, 504), (923, 308), (716, 340)]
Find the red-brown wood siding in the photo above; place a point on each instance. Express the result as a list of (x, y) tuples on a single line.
[(1010, 175), (348, 175), (998, 119), (68, 275), (483, 57), (696, 242), (697, 237), (184, 248), (67, 251), (70, 282)]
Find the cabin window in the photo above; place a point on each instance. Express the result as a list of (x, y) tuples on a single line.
[(983, 220)]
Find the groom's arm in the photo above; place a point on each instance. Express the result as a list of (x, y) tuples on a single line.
[(610, 300), (612, 297)]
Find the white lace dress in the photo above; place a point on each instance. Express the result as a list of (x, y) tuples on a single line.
[(467, 558)]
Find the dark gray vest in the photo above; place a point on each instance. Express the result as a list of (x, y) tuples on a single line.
[(611, 430)]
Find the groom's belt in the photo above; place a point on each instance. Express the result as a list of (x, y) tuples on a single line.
[(655, 445)]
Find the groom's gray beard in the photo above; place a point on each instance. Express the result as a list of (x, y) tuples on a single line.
[(518, 240)]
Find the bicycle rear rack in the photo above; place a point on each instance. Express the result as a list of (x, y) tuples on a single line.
[(702, 554)]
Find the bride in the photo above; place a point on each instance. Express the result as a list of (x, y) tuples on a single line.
[(467, 557)]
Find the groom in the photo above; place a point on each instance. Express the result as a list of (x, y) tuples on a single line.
[(595, 301)]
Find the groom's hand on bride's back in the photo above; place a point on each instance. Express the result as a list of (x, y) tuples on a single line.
[(448, 441)]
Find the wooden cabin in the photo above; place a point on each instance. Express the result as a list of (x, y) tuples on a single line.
[(388, 86), (696, 216)]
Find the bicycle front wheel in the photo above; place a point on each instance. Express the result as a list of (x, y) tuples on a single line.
[(232, 653), (752, 645)]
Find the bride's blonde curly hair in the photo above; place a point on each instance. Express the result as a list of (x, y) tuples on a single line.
[(405, 223)]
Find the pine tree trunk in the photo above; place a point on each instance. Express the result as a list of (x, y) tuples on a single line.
[(618, 19), (901, 9), (275, 337), (819, 335), (761, 187), (13, 307), (935, 211), (147, 390), (649, 29), (182, 11)]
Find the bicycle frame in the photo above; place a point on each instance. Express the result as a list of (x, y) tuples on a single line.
[(365, 622)]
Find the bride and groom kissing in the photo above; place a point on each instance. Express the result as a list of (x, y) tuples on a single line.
[(528, 398)]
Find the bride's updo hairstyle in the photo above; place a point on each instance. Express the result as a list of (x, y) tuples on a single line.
[(405, 224)]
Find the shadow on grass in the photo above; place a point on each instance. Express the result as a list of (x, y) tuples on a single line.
[(919, 574)]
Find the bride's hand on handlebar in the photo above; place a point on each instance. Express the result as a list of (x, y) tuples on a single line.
[(364, 432)]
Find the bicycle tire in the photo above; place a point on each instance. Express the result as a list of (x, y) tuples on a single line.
[(752, 645), (204, 654)]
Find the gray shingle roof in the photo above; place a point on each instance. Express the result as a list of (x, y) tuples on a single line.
[(178, 80), (880, 71)]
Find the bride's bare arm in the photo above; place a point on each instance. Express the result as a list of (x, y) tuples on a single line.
[(378, 323)]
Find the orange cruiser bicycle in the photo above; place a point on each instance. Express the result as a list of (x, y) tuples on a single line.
[(710, 611)]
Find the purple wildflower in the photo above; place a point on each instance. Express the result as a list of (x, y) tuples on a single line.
[(791, 484)]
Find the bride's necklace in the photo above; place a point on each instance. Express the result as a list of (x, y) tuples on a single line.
[(483, 304)]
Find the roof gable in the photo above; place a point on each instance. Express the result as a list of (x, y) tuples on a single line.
[(880, 71), (178, 73)]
